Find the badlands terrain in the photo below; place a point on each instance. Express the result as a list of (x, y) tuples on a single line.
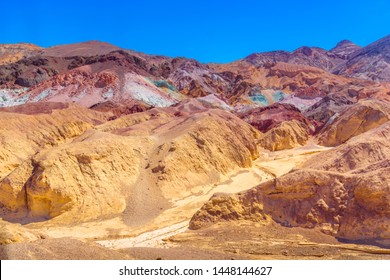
[(108, 153)]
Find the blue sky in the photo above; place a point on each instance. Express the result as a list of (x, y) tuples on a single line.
[(210, 31)]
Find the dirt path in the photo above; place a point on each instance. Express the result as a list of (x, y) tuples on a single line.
[(176, 219), (153, 238)]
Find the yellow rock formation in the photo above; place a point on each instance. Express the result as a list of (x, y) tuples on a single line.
[(287, 135), (74, 166), (343, 191), (354, 120)]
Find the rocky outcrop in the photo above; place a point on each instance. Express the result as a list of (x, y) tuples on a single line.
[(266, 118), (287, 135), (292, 200), (326, 109), (25, 132), (124, 108), (15, 233), (354, 120), (371, 62), (339, 205), (10, 53), (345, 49), (359, 153), (194, 79), (346, 196)]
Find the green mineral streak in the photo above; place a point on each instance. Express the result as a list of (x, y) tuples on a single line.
[(163, 83), (278, 96), (259, 99)]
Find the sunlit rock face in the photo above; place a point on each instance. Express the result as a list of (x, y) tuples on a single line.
[(73, 164), (354, 120), (344, 192)]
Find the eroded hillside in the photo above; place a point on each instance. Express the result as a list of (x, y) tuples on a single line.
[(126, 155)]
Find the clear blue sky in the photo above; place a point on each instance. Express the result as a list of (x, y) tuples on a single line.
[(210, 31)]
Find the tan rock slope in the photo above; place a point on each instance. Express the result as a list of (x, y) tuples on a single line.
[(72, 165), (354, 120), (27, 129), (284, 126), (344, 192), (15, 233), (287, 135)]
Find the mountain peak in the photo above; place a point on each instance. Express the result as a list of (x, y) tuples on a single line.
[(343, 43), (345, 48), (370, 62)]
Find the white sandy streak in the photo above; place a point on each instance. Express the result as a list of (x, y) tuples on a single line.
[(154, 239)]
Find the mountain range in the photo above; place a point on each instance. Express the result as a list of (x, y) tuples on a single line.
[(130, 155)]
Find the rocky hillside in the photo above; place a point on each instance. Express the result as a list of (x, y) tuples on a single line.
[(93, 72), (371, 62), (99, 142), (344, 192), (10, 53), (345, 49), (68, 163)]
